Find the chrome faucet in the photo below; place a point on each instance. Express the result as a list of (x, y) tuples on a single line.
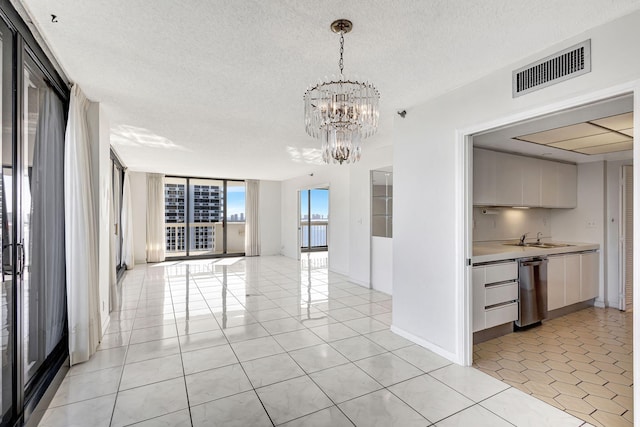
[(538, 237), (524, 236)]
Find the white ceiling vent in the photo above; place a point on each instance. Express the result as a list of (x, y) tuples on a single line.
[(564, 65)]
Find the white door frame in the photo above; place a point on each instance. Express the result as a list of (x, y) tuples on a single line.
[(464, 209)]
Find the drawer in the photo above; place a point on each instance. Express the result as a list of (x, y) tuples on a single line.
[(502, 314), (501, 272), (496, 294)]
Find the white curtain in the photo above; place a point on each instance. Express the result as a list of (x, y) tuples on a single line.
[(155, 218), (80, 235), (114, 300), (46, 240), (127, 223), (252, 219)]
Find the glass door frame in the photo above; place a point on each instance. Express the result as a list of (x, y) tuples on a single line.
[(117, 164), (26, 395), (187, 223), (307, 249)]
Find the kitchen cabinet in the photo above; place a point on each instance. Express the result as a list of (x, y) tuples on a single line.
[(494, 294), (558, 185), (566, 185), (555, 282), (502, 179), (572, 278), (484, 177), (508, 179), (590, 277)]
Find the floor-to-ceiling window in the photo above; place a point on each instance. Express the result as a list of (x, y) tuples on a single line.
[(204, 217), (33, 106)]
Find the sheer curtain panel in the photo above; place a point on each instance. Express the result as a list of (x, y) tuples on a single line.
[(127, 223), (46, 242), (252, 219), (155, 218), (80, 234)]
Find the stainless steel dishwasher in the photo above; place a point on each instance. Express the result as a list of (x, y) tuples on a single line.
[(532, 275)]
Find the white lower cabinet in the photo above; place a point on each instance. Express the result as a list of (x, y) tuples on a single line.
[(572, 278), (590, 274), (495, 294), (555, 282)]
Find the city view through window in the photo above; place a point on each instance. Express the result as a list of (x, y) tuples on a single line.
[(314, 219), (195, 220)]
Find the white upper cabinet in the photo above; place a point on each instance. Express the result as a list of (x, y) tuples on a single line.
[(501, 179), (508, 179), (484, 177), (567, 183)]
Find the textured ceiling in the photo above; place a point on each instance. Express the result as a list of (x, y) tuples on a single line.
[(214, 88)]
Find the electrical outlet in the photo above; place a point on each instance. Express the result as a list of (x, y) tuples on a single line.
[(591, 224)]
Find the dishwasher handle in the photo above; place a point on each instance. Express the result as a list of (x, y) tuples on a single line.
[(533, 262)]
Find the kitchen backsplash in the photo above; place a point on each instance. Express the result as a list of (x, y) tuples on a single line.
[(509, 223)]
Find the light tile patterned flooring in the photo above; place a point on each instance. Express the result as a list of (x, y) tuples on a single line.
[(269, 341), (580, 363)]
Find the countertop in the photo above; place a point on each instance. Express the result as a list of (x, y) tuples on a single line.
[(498, 251)]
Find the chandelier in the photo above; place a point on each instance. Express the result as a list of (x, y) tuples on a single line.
[(341, 112)]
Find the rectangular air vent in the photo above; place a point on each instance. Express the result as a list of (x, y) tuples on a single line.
[(564, 65)]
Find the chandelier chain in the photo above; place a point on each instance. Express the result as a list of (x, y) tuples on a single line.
[(341, 63)]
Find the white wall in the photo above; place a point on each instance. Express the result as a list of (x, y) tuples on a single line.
[(510, 224), (98, 125), (349, 238), (430, 285), (270, 222), (586, 223), (138, 182)]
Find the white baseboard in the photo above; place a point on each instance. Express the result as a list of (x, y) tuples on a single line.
[(428, 345), (359, 282), (599, 303)]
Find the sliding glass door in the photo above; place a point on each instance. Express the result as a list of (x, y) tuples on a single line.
[(314, 219), (41, 237), (33, 319), (8, 316), (204, 217)]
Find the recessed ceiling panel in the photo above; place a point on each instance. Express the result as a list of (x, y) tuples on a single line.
[(621, 121), (561, 134), (590, 141), (609, 148)]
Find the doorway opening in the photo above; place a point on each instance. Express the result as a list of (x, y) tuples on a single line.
[(313, 220), (557, 187)]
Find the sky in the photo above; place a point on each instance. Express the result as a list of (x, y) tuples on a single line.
[(319, 202), (235, 200)]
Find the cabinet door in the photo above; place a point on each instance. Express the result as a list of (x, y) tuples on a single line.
[(509, 179), (555, 282), (531, 182), (567, 184), (572, 273), (548, 188), (590, 275), (477, 298), (484, 177)]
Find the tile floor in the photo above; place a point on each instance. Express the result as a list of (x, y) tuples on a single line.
[(271, 341), (580, 363)]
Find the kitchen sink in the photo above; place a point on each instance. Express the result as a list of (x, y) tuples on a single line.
[(540, 245)]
